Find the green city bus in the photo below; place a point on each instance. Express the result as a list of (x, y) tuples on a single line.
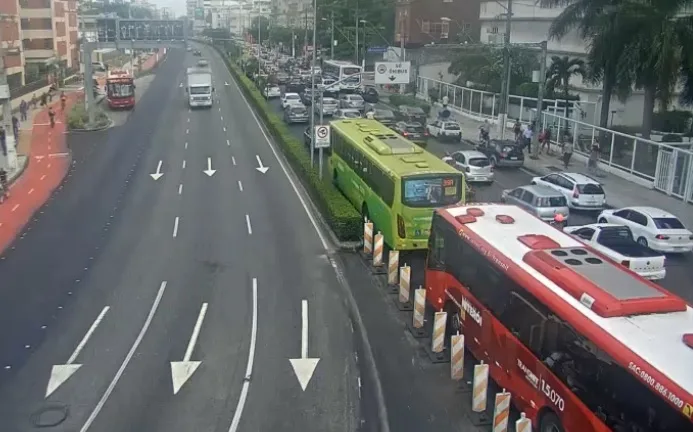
[(392, 181)]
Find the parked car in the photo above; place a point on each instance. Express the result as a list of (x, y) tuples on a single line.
[(616, 242), (414, 132), (342, 114), (445, 130), (290, 99), (503, 153), (329, 106), (385, 117), (475, 165), (411, 114), (581, 191), (296, 114), (652, 227), (352, 101), (272, 92), (369, 94), (541, 201)]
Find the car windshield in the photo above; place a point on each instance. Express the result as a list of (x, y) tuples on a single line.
[(329, 102), (554, 201), (431, 190), (292, 96), (479, 162), (668, 223), (590, 189)]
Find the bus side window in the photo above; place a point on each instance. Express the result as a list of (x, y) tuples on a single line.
[(525, 321)]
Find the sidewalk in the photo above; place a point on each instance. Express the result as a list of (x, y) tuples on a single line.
[(619, 191)]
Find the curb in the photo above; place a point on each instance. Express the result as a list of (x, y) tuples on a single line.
[(20, 170)]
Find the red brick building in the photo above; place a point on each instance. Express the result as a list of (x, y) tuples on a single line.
[(422, 22)]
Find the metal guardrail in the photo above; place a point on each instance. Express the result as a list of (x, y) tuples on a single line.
[(28, 88)]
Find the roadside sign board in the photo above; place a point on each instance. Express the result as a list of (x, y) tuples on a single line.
[(392, 72), (377, 49), (322, 136)]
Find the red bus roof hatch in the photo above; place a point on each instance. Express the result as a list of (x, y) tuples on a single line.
[(688, 339)]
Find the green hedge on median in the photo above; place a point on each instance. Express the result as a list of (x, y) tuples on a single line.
[(340, 215), (397, 100)]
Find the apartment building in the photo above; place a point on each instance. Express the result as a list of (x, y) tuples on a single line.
[(10, 42), (421, 22)]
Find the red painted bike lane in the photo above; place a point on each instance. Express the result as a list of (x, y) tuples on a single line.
[(49, 161)]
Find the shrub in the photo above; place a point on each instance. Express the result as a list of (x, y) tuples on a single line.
[(340, 215), (672, 121), (78, 118), (398, 99)]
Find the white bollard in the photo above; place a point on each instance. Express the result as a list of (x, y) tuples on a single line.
[(457, 357), (438, 339), (479, 387), (378, 250), (501, 412), (368, 238), (392, 267), (419, 307), (404, 277), (523, 424)]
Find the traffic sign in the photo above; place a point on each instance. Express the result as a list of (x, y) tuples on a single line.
[(377, 49), (322, 136), (392, 72)]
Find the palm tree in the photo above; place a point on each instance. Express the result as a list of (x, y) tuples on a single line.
[(560, 72)]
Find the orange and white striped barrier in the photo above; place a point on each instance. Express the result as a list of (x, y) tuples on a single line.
[(438, 339), (523, 424), (501, 412), (378, 250), (404, 288), (480, 387), (368, 238), (457, 357), (392, 267), (419, 308)]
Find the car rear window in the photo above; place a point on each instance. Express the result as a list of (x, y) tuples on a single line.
[(557, 201), (668, 223), (509, 149), (384, 113), (452, 127), (590, 189), (415, 128), (479, 162), (298, 109)]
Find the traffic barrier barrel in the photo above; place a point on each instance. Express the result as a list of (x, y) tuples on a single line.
[(523, 424), (480, 387), (392, 267), (419, 308), (457, 357), (404, 277), (378, 250), (501, 412), (368, 238), (438, 339)]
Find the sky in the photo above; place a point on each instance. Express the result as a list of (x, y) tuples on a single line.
[(178, 6)]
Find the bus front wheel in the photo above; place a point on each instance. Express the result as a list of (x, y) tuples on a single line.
[(550, 423)]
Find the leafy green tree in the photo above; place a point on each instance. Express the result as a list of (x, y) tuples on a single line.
[(560, 72), (484, 67)]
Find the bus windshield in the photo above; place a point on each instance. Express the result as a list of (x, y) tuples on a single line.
[(120, 90), (431, 191), (351, 70)]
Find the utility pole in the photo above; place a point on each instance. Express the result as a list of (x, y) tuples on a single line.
[(540, 101), (402, 54), (305, 32), (312, 94), (505, 83), (356, 45), (331, 38), (259, 47)]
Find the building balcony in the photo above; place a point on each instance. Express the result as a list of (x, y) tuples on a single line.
[(37, 34), (35, 13), (491, 10), (38, 54)]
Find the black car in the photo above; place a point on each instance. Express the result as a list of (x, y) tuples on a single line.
[(408, 113), (283, 78), (369, 94), (384, 116), (414, 132), (197, 53), (503, 153), (307, 97), (295, 86)]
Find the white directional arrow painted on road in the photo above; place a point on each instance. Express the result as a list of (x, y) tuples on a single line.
[(157, 175), (182, 371), (304, 367), (181, 85), (225, 83), (62, 372), (209, 171), (263, 169)]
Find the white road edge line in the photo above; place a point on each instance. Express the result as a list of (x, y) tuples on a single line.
[(323, 240), (87, 336), (126, 361), (249, 368), (247, 222), (240, 186), (228, 143), (175, 227), (233, 160)]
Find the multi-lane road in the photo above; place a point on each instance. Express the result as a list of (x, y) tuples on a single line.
[(202, 299)]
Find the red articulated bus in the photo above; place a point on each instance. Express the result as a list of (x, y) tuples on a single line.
[(581, 342), (120, 89)]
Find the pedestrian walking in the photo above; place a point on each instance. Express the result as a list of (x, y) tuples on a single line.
[(51, 116), (44, 99), (517, 129), (63, 101), (567, 153), (34, 101), (593, 161), (528, 134), (15, 127), (3, 140), (545, 140), (23, 109), (4, 185)]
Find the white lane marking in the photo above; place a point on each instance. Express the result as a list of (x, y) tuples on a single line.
[(188, 120), (183, 163), (196, 332), (233, 160), (175, 227), (187, 131), (180, 189), (222, 118), (323, 240), (240, 186), (224, 129), (247, 222), (31, 191), (49, 165), (228, 143), (87, 336), (43, 177), (128, 357), (249, 368), (186, 145), (16, 206)]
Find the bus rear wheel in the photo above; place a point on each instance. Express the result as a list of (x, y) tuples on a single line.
[(550, 423)]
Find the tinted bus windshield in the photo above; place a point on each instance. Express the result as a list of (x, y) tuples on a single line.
[(431, 191), (120, 90)]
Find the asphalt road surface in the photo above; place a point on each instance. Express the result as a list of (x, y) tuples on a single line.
[(176, 304)]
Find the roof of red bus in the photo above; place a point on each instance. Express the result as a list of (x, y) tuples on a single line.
[(650, 325)]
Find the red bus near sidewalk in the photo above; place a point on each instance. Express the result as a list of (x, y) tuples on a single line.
[(581, 342), (120, 89)]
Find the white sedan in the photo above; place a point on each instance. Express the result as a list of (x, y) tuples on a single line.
[(272, 92), (657, 229), (290, 99)]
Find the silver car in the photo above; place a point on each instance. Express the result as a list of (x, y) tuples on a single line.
[(329, 106), (543, 202), (342, 114), (474, 164), (352, 101)]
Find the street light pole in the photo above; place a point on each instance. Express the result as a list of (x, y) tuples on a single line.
[(505, 83), (540, 100), (312, 93), (259, 46), (332, 36), (356, 47)]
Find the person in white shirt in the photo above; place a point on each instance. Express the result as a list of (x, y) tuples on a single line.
[(527, 134)]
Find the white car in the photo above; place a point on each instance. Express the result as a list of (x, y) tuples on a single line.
[(445, 130), (581, 191), (290, 99), (616, 242), (272, 92), (474, 164), (652, 227), (342, 114)]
